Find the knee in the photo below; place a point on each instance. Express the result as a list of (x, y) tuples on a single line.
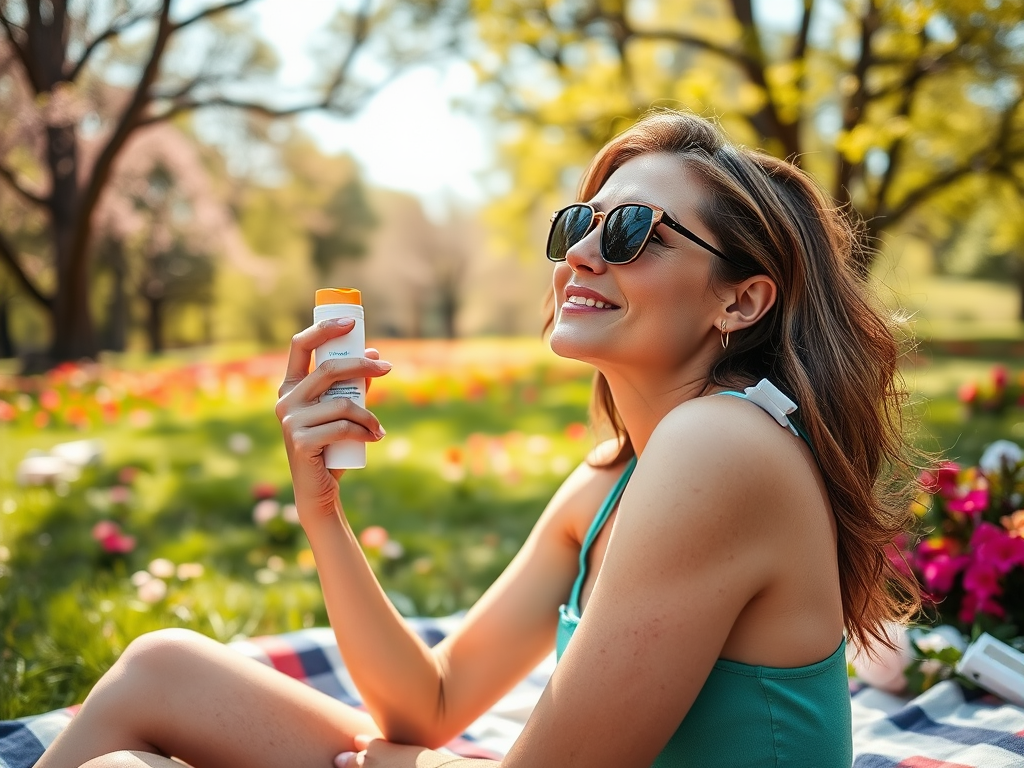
[(128, 759), (164, 652), (151, 661)]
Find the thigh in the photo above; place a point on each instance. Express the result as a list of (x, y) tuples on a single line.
[(192, 698)]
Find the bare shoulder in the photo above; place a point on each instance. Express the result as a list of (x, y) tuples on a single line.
[(732, 453)]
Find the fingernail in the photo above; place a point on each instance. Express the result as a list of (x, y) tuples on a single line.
[(380, 432), (341, 322), (343, 760), (384, 365)]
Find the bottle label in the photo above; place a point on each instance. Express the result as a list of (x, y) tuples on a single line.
[(350, 390)]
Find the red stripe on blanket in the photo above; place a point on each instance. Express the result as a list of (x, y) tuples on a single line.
[(281, 655), (927, 762)]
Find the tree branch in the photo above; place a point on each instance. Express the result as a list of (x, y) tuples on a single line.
[(359, 35), (130, 120), (683, 38), (8, 175), (9, 26), (208, 12), (800, 44), (115, 29), (857, 102), (9, 256)]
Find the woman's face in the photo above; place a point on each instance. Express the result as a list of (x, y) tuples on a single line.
[(659, 312)]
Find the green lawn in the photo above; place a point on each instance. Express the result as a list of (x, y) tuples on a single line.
[(480, 434)]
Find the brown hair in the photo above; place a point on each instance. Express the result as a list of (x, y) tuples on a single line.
[(823, 343)]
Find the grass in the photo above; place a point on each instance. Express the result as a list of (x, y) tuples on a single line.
[(480, 434)]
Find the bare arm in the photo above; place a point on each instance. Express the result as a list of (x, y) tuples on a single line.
[(416, 694)]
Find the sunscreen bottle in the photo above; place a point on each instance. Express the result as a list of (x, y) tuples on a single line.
[(343, 303)]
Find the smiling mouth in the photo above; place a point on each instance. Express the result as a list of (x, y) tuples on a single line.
[(581, 301)]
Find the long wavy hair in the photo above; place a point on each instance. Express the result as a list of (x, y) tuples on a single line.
[(824, 343)]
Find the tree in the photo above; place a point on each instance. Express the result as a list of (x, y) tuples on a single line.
[(59, 60), (890, 103)]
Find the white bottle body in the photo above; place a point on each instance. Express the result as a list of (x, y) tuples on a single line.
[(344, 454)]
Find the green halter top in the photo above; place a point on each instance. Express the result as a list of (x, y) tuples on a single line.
[(746, 715)]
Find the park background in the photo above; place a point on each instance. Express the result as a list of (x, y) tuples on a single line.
[(176, 179)]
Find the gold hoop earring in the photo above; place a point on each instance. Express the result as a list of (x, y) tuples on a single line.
[(725, 336)]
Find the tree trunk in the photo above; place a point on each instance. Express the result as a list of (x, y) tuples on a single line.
[(115, 327), (155, 324), (71, 321), (6, 345)]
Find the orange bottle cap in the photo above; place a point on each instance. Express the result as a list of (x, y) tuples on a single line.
[(338, 296)]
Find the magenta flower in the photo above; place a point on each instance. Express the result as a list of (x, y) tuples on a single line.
[(981, 579), (971, 503), (976, 603), (110, 537), (995, 546), (940, 570), (943, 480)]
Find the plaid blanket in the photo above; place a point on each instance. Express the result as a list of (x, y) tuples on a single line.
[(939, 729)]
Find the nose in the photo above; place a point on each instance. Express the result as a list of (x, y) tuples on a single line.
[(585, 255)]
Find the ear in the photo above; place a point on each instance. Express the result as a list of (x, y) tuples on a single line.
[(748, 302)]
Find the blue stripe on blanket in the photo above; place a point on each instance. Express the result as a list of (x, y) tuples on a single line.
[(20, 745), (874, 761), (913, 718)]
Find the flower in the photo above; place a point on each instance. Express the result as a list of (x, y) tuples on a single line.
[(1014, 523), (969, 552), (373, 537), (111, 539), (943, 480), (1001, 455)]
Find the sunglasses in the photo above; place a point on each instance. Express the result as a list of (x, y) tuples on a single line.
[(626, 231)]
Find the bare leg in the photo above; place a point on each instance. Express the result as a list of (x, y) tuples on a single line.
[(175, 692), (132, 760)]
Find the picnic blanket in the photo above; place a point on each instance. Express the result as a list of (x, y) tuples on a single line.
[(939, 729)]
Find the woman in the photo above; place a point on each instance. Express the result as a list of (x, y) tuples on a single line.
[(696, 574)]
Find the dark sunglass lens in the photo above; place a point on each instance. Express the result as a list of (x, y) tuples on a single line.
[(625, 231), (569, 228)]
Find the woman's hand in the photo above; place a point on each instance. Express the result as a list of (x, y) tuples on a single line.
[(309, 425), (377, 753)]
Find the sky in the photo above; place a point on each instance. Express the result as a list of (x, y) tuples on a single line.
[(438, 158), (441, 156)]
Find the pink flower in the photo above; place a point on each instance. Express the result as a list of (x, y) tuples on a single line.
[(109, 536), (1000, 376), (971, 503), (997, 547), (975, 603), (942, 480), (7, 412), (374, 537), (981, 579), (939, 572)]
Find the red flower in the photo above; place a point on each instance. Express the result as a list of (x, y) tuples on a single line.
[(1000, 376), (968, 392), (7, 411), (576, 431), (264, 490)]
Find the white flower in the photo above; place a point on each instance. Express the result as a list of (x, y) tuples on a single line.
[(162, 568), (153, 591), (1001, 454)]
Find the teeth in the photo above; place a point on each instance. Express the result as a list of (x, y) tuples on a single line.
[(579, 300)]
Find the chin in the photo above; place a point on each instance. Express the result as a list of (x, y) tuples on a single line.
[(574, 345)]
